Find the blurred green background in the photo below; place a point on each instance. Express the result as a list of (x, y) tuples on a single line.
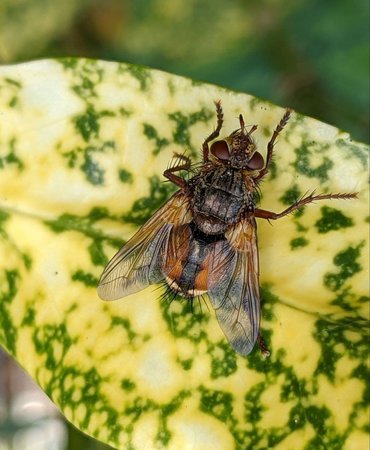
[(311, 55)]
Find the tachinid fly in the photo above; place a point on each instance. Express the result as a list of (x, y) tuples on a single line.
[(204, 239)]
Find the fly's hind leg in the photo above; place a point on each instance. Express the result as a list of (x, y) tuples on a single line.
[(263, 347), (263, 214), (182, 163), (220, 120)]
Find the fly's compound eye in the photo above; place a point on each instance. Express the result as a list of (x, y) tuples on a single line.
[(220, 149), (256, 162)]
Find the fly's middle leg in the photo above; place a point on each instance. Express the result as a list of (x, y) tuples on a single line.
[(264, 214)]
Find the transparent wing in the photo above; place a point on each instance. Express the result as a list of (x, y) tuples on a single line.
[(138, 263), (177, 252), (233, 285)]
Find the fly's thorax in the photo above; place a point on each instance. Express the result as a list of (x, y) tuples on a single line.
[(219, 196)]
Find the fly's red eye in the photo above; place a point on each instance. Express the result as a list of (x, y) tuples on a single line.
[(256, 162), (220, 149)]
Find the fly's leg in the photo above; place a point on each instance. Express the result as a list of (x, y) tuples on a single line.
[(220, 119), (170, 172), (263, 347), (263, 214), (270, 145)]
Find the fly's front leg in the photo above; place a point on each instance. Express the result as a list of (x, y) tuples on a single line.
[(270, 145), (220, 119), (263, 214), (170, 172)]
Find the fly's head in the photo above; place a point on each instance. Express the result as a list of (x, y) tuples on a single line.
[(239, 150)]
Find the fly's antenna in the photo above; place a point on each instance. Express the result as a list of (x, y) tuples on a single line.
[(254, 128), (242, 123), (242, 126)]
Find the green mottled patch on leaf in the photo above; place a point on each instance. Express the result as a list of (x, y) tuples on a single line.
[(127, 385), (139, 406), (292, 387), (11, 158), (13, 87), (125, 176), (68, 62), (303, 164), (88, 124), (361, 153), (43, 339), (29, 318), (13, 102), (273, 365), (126, 324), (176, 402), (27, 261), (298, 242), (181, 134), (152, 134), (98, 213), (268, 299), (182, 321), (4, 216), (186, 363), (86, 76), (141, 73), (290, 197), (317, 417), (217, 403), (332, 219), (223, 360), (8, 290), (297, 417), (256, 102), (348, 301), (86, 278), (85, 226), (362, 372), (144, 207), (329, 334), (346, 261), (90, 392), (83, 157), (93, 172), (13, 82), (85, 89), (252, 403), (97, 255), (273, 170), (124, 112)]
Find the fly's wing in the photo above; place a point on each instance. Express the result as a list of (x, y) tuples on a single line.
[(233, 285), (178, 249), (138, 263)]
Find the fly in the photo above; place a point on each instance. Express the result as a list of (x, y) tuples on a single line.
[(204, 239)]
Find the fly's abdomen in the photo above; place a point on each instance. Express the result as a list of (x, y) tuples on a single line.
[(187, 261), (186, 275)]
